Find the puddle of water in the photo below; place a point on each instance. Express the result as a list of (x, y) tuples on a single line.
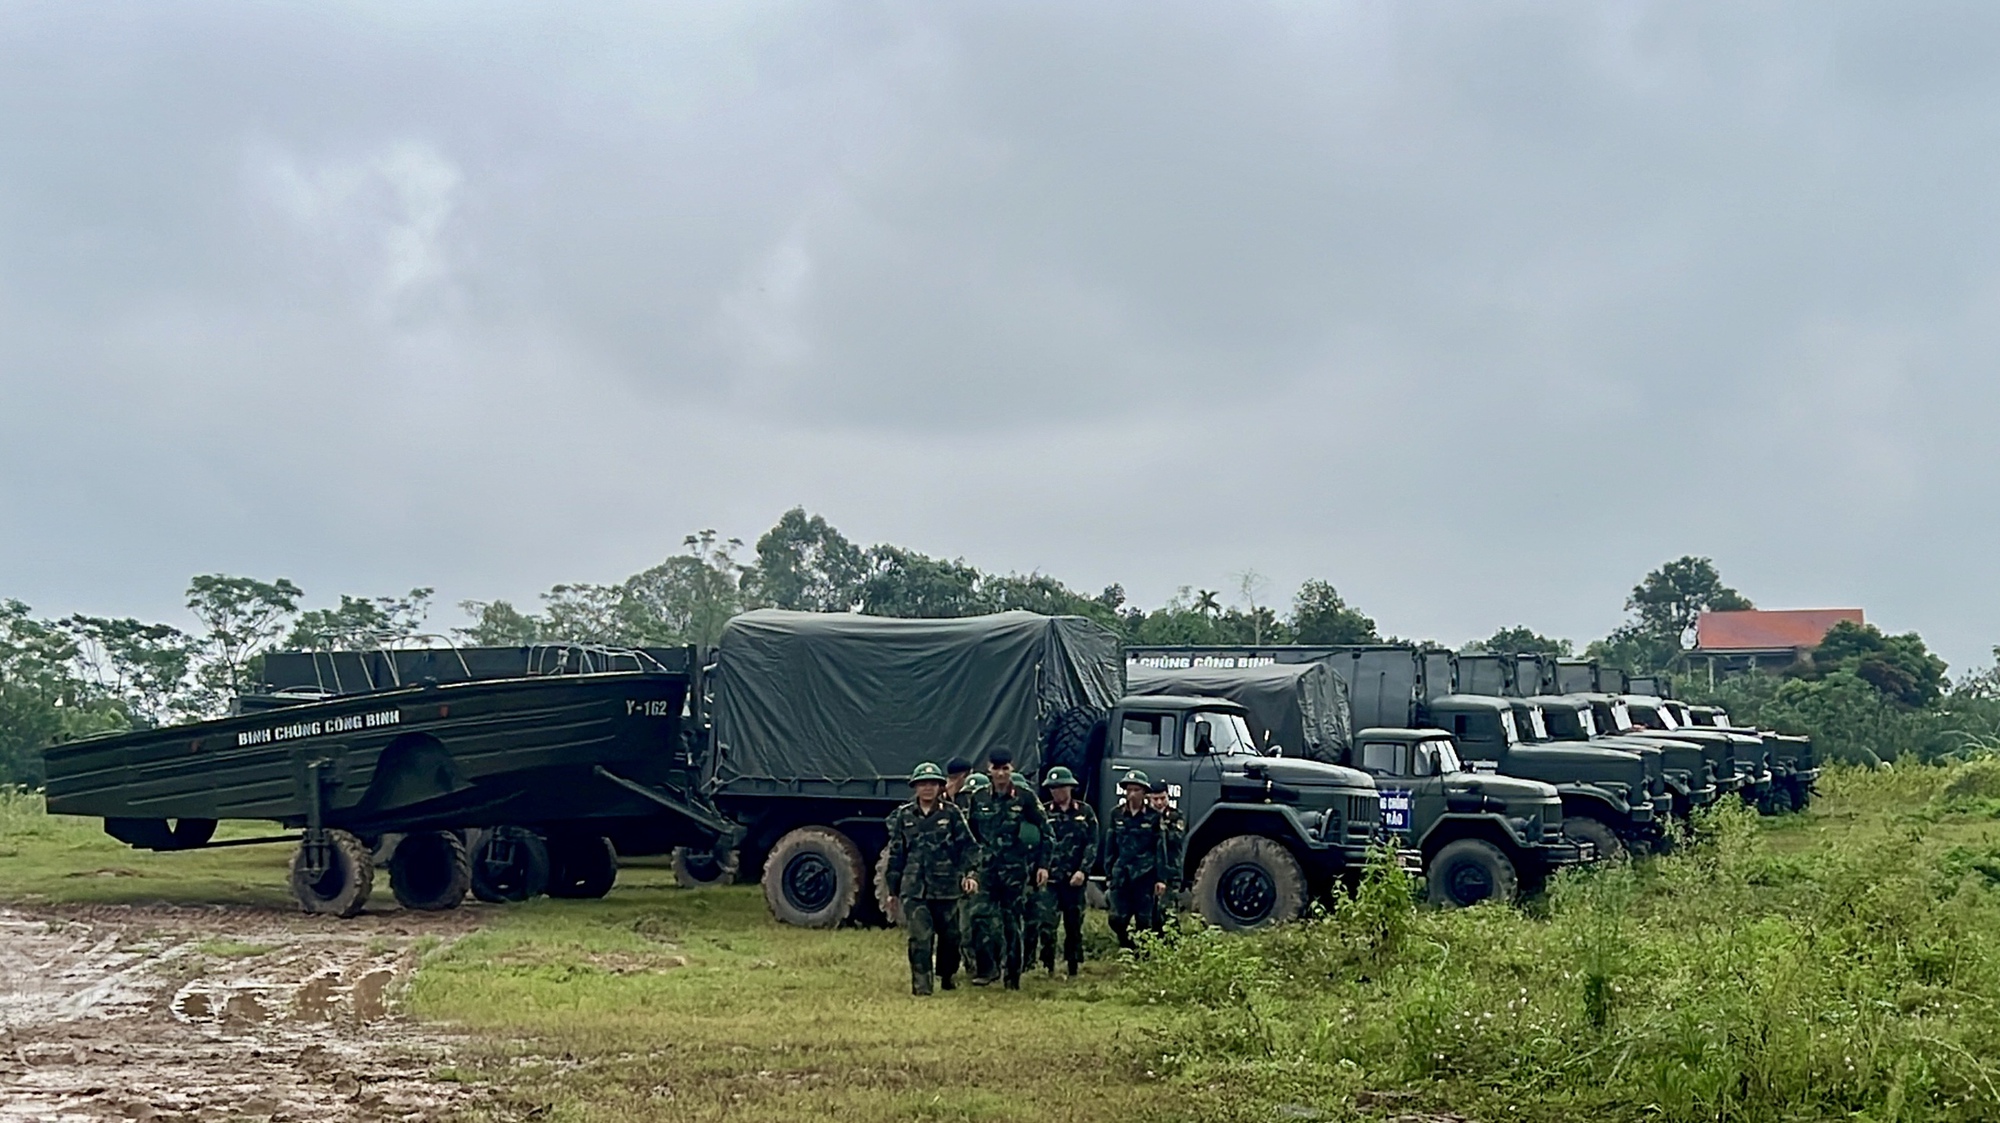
[(371, 1001), (314, 1000)]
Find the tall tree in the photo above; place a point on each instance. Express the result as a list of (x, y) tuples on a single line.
[(498, 623), (361, 623), (147, 668), (42, 700), (803, 563), (685, 599), (1321, 616), (906, 583), (243, 617), (1901, 667), (1672, 597)]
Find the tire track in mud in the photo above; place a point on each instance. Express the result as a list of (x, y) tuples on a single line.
[(212, 1014)]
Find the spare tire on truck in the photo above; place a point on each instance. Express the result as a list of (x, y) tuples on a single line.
[(814, 878), (1249, 882), (509, 864), (582, 866), (696, 868), (429, 871), (342, 887)]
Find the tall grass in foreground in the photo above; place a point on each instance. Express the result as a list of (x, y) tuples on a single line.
[(1849, 972)]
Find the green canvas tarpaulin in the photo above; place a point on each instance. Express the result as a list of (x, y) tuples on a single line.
[(817, 700), (1301, 707)]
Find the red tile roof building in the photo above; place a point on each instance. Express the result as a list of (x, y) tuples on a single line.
[(1768, 630)]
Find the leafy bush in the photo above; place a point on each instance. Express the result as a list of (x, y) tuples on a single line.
[(1731, 981)]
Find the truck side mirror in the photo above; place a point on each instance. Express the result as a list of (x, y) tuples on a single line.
[(1204, 737)]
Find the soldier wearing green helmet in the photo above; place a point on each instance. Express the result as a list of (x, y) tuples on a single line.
[(1072, 852), (1007, 820), (1135, 859), (931, 863), (974, 919)]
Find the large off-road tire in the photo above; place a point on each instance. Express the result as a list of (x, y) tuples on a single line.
[(582, 866), (509, 864), (1584, 828), (1249, 882), (430, 871), (1801, 796), (696, 868), (814, 878), (342, 888), (1068, 741), (1469, 871), (885, 902)]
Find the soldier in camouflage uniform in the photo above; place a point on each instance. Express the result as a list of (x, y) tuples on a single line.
[(956, 770), (1072, 853), (1007, 821), (975, 911), (931, 861), (1175, 827), (1135, 859)]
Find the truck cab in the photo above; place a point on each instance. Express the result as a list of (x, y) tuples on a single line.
[(1476, 836), (1793, 763), (1607, 793), (1741, 765), (1265, 834), (1694, 772)]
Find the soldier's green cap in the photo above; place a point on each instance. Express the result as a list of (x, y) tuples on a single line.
[(977, 782), (927, 771), (1059, 777), (1135, 777)]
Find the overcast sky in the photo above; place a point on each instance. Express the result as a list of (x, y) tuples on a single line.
[(1478, 310)]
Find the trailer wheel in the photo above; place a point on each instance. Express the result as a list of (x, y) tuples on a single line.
[(342, 887), (695, 868), (814, 878), (509, 865), (1584, 828), (1469, 871), (582, 867), (1249, 882), (429, 871)]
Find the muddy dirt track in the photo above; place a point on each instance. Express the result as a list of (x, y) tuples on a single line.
[(211, 1014)]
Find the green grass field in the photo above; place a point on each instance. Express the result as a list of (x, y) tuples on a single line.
[(1842, 964)]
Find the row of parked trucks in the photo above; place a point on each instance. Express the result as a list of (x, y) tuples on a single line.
[(776, 755)]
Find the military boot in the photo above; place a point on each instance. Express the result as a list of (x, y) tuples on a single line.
[(920, 983)]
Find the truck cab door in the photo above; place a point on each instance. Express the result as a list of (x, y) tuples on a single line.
[(1196, 787), (1389, 763), (1145, 740)]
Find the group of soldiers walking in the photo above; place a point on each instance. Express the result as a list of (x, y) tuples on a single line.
[(986, 874)]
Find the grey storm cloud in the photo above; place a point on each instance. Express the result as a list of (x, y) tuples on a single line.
[(1480, 311)]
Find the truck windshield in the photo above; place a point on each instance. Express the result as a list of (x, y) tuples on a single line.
[(1229, 732), (1438, 758), (1509, 728), (1665, 714), (1721, 719), (1588, 722)]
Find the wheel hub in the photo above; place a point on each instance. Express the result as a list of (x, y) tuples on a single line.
[(1247, 893), (809, 882), (1470, 884)]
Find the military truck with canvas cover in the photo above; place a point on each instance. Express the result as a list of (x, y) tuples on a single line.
[(401, 773), (1388, 688), (1295, 709), (819, 718)]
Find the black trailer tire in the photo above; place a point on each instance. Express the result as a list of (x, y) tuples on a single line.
[(1585, 828), (509, 865), (429, 871), (695, 868), (885, 901), (1469, 871), (342, 890), (1250, 882), (582, 866), (814, 878)]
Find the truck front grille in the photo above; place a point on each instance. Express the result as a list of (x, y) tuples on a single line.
[(1364, 813)]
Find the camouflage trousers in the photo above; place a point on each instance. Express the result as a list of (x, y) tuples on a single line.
[(973, 920), (1132, 904), (1038, 929), (932, 924), (1000, 924)]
